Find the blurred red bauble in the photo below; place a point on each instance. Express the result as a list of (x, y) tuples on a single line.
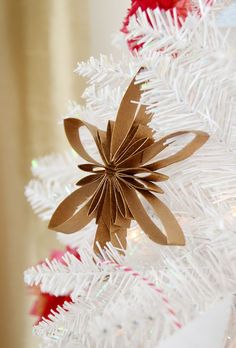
[(45, 302), (182, 9)]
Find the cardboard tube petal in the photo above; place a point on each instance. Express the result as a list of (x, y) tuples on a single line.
[(142, 218), (188, 150), (118, 236), (125, 116), (102, 235), (173, 230), (173, 233), (141, 116), (88, 179), (72, 126), (65, 218)]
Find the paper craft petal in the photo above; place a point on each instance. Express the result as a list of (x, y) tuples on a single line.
[(188, 150), (72, 126), (127, 108)]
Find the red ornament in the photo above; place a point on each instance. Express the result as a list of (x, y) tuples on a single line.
[(46, 302), (182, 9)]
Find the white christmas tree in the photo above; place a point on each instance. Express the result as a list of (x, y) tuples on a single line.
[(141, 298)]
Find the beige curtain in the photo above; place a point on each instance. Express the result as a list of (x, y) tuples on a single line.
[(41, 41)]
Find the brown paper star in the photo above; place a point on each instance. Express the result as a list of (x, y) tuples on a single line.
[(110, 194)]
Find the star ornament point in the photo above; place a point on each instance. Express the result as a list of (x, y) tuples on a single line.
[(129, 168)]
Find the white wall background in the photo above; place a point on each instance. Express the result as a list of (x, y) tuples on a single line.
[(106, 18)]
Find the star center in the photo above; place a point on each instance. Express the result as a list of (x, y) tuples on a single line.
[(110, 171)]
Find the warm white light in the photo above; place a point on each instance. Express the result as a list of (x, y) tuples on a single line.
[(233, 210), (134, 233)]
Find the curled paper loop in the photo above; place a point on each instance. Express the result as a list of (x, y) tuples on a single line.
[(67, 218), (111, 190), (72, 127)]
